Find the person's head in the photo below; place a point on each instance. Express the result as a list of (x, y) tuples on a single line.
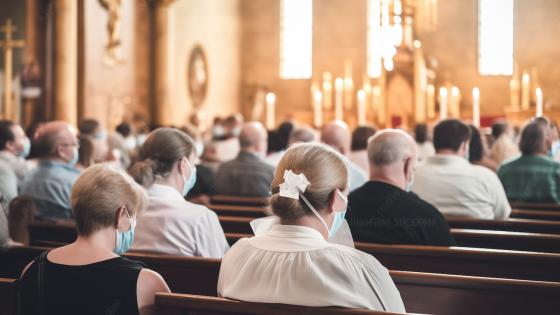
[(337, 135), (86, 151), (392, 157), (452, 137), (533, 139), (302, 134), (105, 199), (284, 131), (274, 142), (232, 125), (421, 133), (167, 156), (124, 129), (13, 139), (326, 172), (360, 137), (90, 128), (549, 132), (57, 141), (477, 146), (501, 127), (253, 138)]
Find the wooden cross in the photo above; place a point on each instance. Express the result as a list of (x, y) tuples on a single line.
[(8, 44)]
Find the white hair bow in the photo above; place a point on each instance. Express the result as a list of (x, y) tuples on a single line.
[(293, 185)]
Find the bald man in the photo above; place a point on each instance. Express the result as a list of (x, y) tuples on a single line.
[(50, 183), (384, 210), (248, 174), (337, 135)]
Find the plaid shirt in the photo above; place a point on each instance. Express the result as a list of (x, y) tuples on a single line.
[(533, 178)]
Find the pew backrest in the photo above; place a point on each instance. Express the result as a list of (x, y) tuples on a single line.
[(535, 206), (176, 303), (535, 242), (240, 211), (8, 296), (512, 224), (536, 214), (239, 201)]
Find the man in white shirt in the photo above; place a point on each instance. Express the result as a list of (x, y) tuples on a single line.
[(454, 186), (337, 135), (14, 148)]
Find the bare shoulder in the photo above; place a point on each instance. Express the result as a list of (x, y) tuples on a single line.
[(150, 279)]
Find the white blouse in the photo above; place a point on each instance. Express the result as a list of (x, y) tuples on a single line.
[(296, 265), (172, 225)]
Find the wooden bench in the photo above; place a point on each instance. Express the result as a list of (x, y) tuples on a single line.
[(513, 225), (534, 242), (421, 292), (535, 206), (8, 297), (177, 303), (536, 214), (240, 211), (239, 201)]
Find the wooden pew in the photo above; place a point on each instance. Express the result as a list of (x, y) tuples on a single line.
[(421, 292), (239, 201), (240, 211), (466, 261), (513, 225), (176, 303), (536, 214), (8, 297), (535, 206), (534, 242), (60, 231)]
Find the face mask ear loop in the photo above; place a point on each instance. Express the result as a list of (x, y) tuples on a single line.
[(315, 213)]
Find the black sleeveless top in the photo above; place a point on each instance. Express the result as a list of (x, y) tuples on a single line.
[(107, 287)]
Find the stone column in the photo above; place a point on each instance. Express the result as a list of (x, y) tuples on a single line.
[(65, 60), (162, 61)]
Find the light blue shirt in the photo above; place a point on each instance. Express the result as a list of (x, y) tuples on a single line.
[(50, 186), (8, 184)]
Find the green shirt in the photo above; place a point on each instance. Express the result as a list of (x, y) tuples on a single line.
[(531, 178)]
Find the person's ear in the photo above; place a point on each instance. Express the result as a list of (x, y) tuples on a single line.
[(332, 202), (408, 167), (122, 223), (182, 166), (11, 145)]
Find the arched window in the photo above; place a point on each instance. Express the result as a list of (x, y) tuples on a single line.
[(296, 39), (495, 37)]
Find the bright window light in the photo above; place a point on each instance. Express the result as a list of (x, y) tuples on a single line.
[(296, 39), (495, 37)]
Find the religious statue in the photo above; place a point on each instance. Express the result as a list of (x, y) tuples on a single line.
[(197, 76), (113, 53)]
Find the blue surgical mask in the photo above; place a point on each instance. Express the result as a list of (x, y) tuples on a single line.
[(189, 182), (339, 217), (125, 240), (75, 157), (26, 149)]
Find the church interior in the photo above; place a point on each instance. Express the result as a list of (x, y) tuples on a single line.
[(279, 156)]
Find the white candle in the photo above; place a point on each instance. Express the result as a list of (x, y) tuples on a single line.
[(318, 109), (514, 93), (454, 102), (327, 90), (476, 106), (338, 90), (361, 108), (525, 96), (442, 103), (539, 95), (270, 108)]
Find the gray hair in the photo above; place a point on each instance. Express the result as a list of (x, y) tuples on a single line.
[(389, 146)]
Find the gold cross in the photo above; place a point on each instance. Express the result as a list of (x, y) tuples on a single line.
[(8, 44)]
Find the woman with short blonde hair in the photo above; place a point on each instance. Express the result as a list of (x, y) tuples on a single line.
[(88, 276), (295, 260)]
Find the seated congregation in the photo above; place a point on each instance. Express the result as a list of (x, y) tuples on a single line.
[(293, 216)]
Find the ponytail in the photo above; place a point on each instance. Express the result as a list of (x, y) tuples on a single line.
[(143, 172)]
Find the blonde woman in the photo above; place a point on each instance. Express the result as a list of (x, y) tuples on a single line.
[(293, 262), (89, 276)]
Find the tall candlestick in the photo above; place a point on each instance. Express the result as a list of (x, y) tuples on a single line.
[(318, 109), (476, 106), (361, 108), (455, 102), (327, 90), (514, 92), (431, 101), (348, 85), (338, 90), (442, 103), (270, 108), (525, 94), (538, 93)]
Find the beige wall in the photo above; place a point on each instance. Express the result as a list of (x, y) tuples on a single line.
[(340, 34), (215, 25), (108, 92)]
